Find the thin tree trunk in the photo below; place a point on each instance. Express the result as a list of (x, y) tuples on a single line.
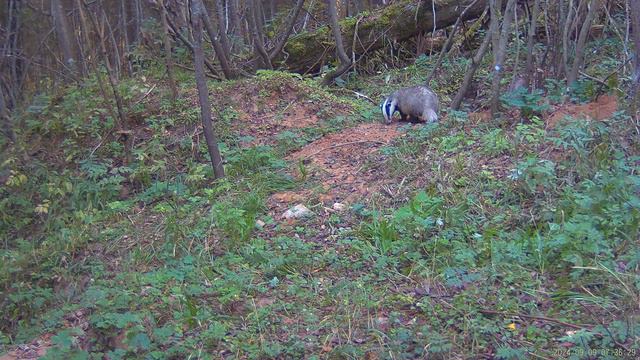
[(528, 72), (197, 12), (557, 53), (258, 39), (307, 16), (634, 14), (167, 51), (345, 61), (468, 76), (117, 59), (289, 28), (578, 61), (125, 35), (113, 81), (137, 22), (500, 54), (494, 28), (84, 29), (11, 53), (447, 44), (5, 121), (188, 44), (64, 37), (82, 45), (217, 47), (222, 30), (260, 17), (567, 29), (234, 17), (272, 9), (516, 78)]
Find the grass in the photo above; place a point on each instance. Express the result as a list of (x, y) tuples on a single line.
[(511, 242)]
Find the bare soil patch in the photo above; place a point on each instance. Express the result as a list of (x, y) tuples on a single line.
[(599, 110), (264, 113), (344, 162)]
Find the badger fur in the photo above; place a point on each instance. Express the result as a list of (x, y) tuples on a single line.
[(418, 103)]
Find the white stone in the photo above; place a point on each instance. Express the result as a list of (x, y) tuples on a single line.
[(339, 207), (297, 212)]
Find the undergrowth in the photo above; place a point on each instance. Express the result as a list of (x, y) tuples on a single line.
[(513, 240)]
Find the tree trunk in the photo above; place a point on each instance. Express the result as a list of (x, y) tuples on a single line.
[(396, 21), (188, 44), (578, 61), (137, 22), (500, 54), (635, 21), (260, 17), (125, 36), (468, 76), (116, 65), (256, 35), (11, 53), (113, 81), (6, 127), (222, 30), (83, 45), (345, 62), (64, 37), (234, 17), (215, 42), (447, 44), (197, 13), (288, 29), (529, 70), (567, 29), (167, 51)]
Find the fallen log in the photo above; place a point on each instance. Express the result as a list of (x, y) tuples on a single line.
[(399, 21)]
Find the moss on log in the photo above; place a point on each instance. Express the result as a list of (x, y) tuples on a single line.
[(399, 21)]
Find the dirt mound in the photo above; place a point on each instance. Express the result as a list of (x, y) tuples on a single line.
[(601, 109), (340, 160), (262, 111)]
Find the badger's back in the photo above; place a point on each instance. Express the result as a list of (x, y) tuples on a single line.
[(418, 101)]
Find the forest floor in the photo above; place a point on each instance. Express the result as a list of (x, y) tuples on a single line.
[(408, 250)]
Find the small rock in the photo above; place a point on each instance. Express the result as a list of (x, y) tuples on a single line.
[(297, 212), (260, 224), (339, 206)]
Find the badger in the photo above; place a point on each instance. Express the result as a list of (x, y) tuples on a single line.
[(417, 103)]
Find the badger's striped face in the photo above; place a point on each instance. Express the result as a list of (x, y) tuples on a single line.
[(388, 107)]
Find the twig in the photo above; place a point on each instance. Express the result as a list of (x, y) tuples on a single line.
[(541, 318), (364, 96), (603, 82), (145, 95), (344, 144), (360, 95), (96, 148), (603, 324), (353, 45)]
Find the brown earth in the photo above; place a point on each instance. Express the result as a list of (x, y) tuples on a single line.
[(343, 163), (599, 110)]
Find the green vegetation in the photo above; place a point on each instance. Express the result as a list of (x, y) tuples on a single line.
[(505, 237)]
